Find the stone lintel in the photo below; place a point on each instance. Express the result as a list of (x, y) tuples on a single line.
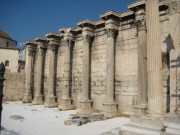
[(41, 42), (110, 15), (112, 24), (53, 36), (138, 4), (141, 4), (86, 23), (32, 45), (88, 31), (100, 24), (127, 13)]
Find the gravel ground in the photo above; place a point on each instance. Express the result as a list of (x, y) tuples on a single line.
[(27, 119)]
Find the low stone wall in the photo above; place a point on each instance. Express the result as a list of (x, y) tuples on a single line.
[(14, 86)]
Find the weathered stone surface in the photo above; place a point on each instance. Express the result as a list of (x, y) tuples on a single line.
[(110, 75)]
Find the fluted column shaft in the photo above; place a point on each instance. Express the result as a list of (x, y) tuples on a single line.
[(28, 93), (51, 99), (39, 72), (142, 63), (154, 63), (29, 72), (110, 66), (66, 102), (67, 59), (51, 70), (38, 94), (86, 67)]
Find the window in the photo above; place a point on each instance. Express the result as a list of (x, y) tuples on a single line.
[(7, 44), (7, 63)]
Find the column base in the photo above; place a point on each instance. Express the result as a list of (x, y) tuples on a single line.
[(139, 110), (38, 100), (65, 104), (50, 102), (27, 98), (85, 106), (148, 122), (110, 110), (140, 118)]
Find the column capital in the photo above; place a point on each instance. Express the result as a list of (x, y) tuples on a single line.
[(52, 47), (67, 42), (174, 7), (140, 19), (30, 52), (41, 42), (87, 38), (111, 32), (41, 51)]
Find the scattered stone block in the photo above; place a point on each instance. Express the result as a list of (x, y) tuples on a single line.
[(17, 117), (67, 122), (76, 122), (73, 116)]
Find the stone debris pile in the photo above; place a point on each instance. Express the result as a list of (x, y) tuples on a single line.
[(81, 119)]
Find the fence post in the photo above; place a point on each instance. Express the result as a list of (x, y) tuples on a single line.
[(2, 70)]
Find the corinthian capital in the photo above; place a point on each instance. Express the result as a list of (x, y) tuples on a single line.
[(68, 42), (87, 38), (141, 24), (41, 51), (140, 19), (30, 53), (111, 32), (52, 47), (174, 7)]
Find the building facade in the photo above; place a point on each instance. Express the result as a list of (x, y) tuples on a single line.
[(125, 64)]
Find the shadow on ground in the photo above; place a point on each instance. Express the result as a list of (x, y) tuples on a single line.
[(5, 131)]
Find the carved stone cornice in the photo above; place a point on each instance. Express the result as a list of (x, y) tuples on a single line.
[(111, 32), (174, 7)]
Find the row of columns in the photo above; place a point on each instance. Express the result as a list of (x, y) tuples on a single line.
[(85, 103), (149, 67)]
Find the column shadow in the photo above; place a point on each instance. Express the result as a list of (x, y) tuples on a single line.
[(9, 132)]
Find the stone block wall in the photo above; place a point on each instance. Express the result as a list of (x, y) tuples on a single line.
[(14, 86), (126, 62)]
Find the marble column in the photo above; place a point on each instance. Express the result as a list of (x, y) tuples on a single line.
[(38, 97), (28, 93), (85, 104), (141, 106), (154, 62), (110, 107), (51, 98), (66, 101), (174, 50)]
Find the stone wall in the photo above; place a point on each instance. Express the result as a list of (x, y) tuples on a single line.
[(126, 61), (14, 86)]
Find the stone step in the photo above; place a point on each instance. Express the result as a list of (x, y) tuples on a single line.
[(174, 125), (116, 131), (139, 130), (173, 131)]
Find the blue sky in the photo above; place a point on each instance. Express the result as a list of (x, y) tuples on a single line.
[(27, 19)]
